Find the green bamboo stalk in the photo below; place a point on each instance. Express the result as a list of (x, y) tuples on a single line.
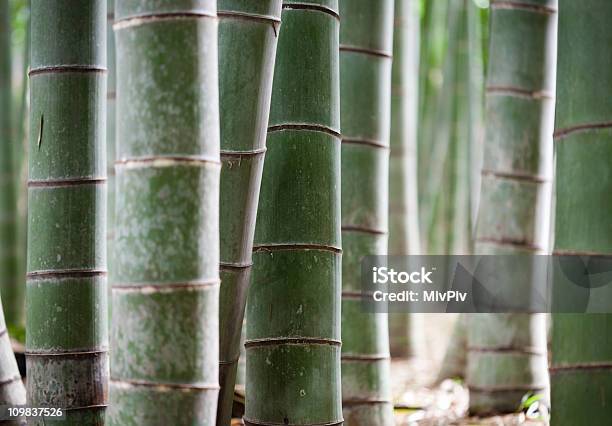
[(111, 98), (67, 337), (467, 150), (12, 391), (22, 116), (248, 34), (405, 331), (293, 313), (458, 207), (165, 295), (366, 47), (449, 200), (450, 229), (21, 170), (475, 94), (403, 203), (433, 109), (507, 352), (9, 267), (581, 367), (443, 199)]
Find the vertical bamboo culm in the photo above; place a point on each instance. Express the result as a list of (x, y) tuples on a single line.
[(507, 354), (165, 296), (111, 99), (66, 294), (405, 331), (581, 365), (10, 284), (366, 47), (293, 313), (248, 34)]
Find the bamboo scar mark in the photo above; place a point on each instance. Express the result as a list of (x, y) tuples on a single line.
[(40, 131)]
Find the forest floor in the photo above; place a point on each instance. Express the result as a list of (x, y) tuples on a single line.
[(418, 403)]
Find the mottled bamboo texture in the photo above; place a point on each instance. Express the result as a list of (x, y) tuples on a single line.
[(293, 314), (581, 370), (366, 46), (165, 325), (10, 285), (12, 391), (67, 333), (405, 331), (248, 34), (507, 352)]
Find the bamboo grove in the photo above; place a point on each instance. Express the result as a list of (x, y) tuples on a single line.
[(189, 188)]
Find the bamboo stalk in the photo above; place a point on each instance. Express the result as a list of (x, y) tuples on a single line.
[(459, 237), (452, 225), (67, 338), (248, 34), (293, 314), (507, 352), (403, 203), (581, 367), (405, 331), (475, 95), (9, 267), (165, 295), (366, 47), (466, 166), (443, 130), (21, 171), (433, 108), (111, 99)]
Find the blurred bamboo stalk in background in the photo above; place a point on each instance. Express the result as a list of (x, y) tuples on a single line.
[(406, 331), (447, 203), (12, 391), (507, 355), (366, 49), (11, 285), (111, 144), (434, 67)]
